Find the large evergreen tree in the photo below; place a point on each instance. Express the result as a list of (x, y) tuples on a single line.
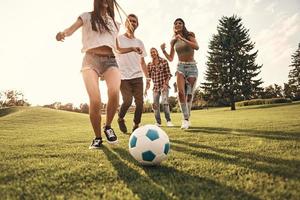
[(231, 68), (292, 88)]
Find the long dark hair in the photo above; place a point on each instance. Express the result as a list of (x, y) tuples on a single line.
[(98, 23), (185, 32)]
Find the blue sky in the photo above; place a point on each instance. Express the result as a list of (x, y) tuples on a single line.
[(47, 71)]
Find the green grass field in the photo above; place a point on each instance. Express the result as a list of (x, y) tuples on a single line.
[(251, 153)]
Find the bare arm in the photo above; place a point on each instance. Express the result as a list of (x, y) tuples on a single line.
[(169, 56), (144, 68), (60, 36), (192, 42), (121, 50), (148, 69)]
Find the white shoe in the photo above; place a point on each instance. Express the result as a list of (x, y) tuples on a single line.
[(185, 124), (170, 124), (157, 124)]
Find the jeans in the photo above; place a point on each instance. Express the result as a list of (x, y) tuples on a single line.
[(156, 105)]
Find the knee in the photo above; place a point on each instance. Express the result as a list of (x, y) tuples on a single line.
[(139, 103), (155, 106), (181, 94), (95, 103), (127, 102), (189, 98)]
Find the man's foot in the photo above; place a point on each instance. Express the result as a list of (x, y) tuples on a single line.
[(96, 143), (122, 125), (135, 126), (185, 124), (157, 124), (110, 135), (170, 124)]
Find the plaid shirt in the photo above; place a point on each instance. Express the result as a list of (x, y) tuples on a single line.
[(159, 73)]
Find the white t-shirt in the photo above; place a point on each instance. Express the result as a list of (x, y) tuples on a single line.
[(92, 39), (130, 63)]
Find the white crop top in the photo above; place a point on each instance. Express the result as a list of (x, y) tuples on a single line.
[(92, 39)]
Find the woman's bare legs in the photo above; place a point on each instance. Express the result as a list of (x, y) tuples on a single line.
[(112, 78), (181, 95), (91, 81), (191, 81)]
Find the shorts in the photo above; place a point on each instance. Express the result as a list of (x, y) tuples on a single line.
[(188, 69), (98, 63)]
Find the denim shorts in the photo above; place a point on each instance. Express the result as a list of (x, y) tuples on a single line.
[(188, 69), (98, 63)]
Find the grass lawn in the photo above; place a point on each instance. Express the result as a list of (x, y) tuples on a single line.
[(250, 153)]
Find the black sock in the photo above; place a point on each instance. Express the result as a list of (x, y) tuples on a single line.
[(107, 127)]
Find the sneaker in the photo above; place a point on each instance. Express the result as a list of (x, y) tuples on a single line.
[(122, 125), (110, 135), (96, 143), (185, 124), (134, 127), (157, 124), (170, 124)]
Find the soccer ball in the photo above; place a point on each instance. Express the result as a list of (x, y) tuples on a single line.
[(149, 145)]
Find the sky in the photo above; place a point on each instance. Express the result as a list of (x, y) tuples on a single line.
[(46, 71)]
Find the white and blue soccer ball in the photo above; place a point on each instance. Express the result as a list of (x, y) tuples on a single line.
[(149, 145)]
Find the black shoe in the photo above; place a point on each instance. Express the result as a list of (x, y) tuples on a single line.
[(96, 143), (122, 125), (134, 127), (110, 135)]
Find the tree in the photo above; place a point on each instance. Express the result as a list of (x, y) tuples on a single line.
[(84, 108), (272, 92), (292, 88), (11, 98), (231, 68)]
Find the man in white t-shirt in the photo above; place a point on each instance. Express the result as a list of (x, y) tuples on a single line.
[(132, 66)]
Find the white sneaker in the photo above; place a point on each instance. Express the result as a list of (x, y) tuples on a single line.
[(170, 124), (157, 124), (185, 124)]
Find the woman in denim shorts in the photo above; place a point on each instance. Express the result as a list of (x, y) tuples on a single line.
[(184, 43), (99, 39)]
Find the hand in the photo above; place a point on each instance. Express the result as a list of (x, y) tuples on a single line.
[(137, 49), (163, 46), (60, 36), (145, 93), (178, 37), (165, 87)]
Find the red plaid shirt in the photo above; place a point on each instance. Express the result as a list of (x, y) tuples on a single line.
[(159, 73)]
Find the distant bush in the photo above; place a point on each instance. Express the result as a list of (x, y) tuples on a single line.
[(263, 101)]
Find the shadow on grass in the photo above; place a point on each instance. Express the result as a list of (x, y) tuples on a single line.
[(270, 105), (275, 166), (175, 183), (7, 111), (274, 135), (140, 185)]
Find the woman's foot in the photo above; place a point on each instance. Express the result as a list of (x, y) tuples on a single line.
[(185, 124)]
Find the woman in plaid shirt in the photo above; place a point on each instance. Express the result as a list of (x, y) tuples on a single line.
[(159, 72)]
